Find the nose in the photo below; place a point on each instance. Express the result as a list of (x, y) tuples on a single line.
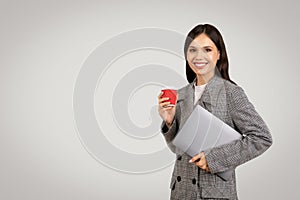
[(200, 55)]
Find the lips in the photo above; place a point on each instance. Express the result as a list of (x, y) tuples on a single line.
[(200, 65)]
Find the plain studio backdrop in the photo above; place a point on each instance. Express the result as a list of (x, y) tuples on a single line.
[(44, 46)]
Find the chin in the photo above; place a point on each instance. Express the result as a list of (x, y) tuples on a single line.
[(200, 72)]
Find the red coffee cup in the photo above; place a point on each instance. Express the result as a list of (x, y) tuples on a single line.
[(172, 94)]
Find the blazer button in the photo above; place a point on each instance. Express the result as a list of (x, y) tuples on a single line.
[(194, 181), (178, 178), (179, 158)]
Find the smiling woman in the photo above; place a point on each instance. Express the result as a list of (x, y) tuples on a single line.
[(210, 87)]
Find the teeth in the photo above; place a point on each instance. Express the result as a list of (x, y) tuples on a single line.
[(200, 64)]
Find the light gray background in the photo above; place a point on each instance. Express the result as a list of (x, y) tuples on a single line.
[(45, 43)]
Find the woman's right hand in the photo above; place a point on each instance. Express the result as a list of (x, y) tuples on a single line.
[(166, 112)]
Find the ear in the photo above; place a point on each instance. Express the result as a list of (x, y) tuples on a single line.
[(219, 55)]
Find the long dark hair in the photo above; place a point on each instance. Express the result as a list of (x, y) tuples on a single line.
[(213, 33)]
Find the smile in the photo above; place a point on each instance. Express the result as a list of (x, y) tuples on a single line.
[(200, 65)]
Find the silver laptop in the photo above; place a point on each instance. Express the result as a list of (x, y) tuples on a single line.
[(202, 131)]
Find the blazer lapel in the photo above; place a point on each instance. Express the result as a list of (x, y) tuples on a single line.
[(186, 101), (209, 98)]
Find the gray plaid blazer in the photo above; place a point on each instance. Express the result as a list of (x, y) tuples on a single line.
[(229, 103)]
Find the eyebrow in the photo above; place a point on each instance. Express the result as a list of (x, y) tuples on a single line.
[(201, 47)]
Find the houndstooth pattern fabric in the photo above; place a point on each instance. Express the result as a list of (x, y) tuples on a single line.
[(229, 103)]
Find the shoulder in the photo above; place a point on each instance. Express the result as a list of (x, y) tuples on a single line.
[(237, 96), (182, 92), (233, 89), (219, 85), (186, 87)]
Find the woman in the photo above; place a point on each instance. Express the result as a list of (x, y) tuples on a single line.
[(211, 87)]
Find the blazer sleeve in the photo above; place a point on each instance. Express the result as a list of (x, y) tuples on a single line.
[(170, 133), (255, 140)]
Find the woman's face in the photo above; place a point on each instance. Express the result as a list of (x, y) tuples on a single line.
[(202, 56)]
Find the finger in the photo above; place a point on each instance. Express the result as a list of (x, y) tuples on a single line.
[(206, 168), (165, 104), (160, 94), (168, 108), (203, 159), (200, 165), (163, 99), (195, 158), (202, 162)]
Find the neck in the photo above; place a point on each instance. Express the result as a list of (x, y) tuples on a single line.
[(201, 80)]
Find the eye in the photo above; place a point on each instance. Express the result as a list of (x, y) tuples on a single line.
[(192, 50), (208, 50)]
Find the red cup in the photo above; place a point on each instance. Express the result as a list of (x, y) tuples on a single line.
[(172, 94)]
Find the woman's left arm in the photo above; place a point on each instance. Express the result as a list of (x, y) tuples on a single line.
[(256, 136)]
